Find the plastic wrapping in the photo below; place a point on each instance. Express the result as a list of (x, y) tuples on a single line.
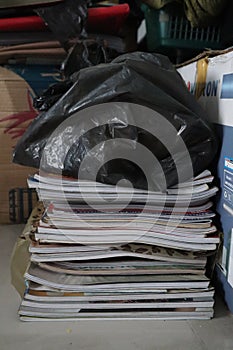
[(66, 20), (51, 95), (145, 80), (84, 54)]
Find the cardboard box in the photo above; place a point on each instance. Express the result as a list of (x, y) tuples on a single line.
[(210, 79), (18, 86)]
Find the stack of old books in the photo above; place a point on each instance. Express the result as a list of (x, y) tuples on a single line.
[(108, 252)]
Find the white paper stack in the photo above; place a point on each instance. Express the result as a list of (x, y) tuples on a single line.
[(105, 252)]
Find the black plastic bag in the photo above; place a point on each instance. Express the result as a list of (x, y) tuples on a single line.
[(67, 20), (50, 96), (142, 79), (84, 54)]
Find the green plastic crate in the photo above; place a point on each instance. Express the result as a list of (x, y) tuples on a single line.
[(166, 30)]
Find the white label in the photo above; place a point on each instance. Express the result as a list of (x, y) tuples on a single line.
[(224, 260), (141, 32)]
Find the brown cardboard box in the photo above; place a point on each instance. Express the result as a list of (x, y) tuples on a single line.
[(16, 113)]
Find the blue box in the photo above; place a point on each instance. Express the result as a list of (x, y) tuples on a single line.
[(211, 79)]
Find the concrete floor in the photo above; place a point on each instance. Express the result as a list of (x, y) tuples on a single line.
[(107, 335)]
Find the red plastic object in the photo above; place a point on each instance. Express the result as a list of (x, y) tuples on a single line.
[(100, 19), (18, 24), (107, 19)]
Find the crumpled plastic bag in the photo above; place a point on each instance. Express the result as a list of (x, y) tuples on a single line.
[(145, 79), (85, 53), (67, 20), (50, 96)]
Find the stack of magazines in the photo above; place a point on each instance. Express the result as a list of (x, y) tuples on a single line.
[(109, 252)]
